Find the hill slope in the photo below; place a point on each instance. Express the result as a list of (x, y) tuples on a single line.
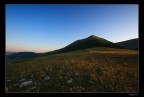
[(129, 44), (88, 70), (89, 42)]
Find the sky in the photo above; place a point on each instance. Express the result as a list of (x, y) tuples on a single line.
[(47, 27)]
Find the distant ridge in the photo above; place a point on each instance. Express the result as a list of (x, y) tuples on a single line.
[(129, 44), (21, 55), (9, 53)]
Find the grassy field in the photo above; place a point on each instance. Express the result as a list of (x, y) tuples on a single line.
[(90, 70)]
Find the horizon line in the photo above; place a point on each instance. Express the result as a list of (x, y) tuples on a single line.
[(60, 48)]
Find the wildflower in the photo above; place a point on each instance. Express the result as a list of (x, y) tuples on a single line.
[(91, 82), (31, 75), (69, 81), (15, 85), (35, 83), (62, 86), (45, 83), (47, 78), (102, 68), (33, 88), (43, 75), (6, 89), (25, 84), (22, 80), (76, 73), (8, 80)]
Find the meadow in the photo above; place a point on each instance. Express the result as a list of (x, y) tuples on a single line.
[(90, 70)]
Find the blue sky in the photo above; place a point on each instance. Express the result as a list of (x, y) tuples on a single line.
[(46, 27)]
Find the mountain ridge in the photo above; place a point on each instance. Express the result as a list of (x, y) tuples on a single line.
[(129, 44), (89, 42), (86, 43)]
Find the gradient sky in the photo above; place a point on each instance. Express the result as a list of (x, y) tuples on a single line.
[(46, 27)]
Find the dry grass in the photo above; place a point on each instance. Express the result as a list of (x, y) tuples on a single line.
[(91, 72)]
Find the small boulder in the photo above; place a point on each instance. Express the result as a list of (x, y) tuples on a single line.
[(70, 81), (25, 84)]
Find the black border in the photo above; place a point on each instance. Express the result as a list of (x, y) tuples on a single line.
[(141, 56), (73, 1), (2, 47)]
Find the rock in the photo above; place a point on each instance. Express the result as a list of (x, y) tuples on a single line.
[(69, 81), (25, 84)]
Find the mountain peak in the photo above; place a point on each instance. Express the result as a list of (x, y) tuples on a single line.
[(92, 36)]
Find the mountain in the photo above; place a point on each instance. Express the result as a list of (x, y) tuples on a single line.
[(21, 55), (9, 53), (89, 42), (129, 44)]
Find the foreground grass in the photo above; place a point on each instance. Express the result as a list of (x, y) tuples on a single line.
[(93, 70)]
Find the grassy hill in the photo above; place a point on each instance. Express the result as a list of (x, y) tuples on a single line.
[(89, 42), (129, 44), (98, 69)]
